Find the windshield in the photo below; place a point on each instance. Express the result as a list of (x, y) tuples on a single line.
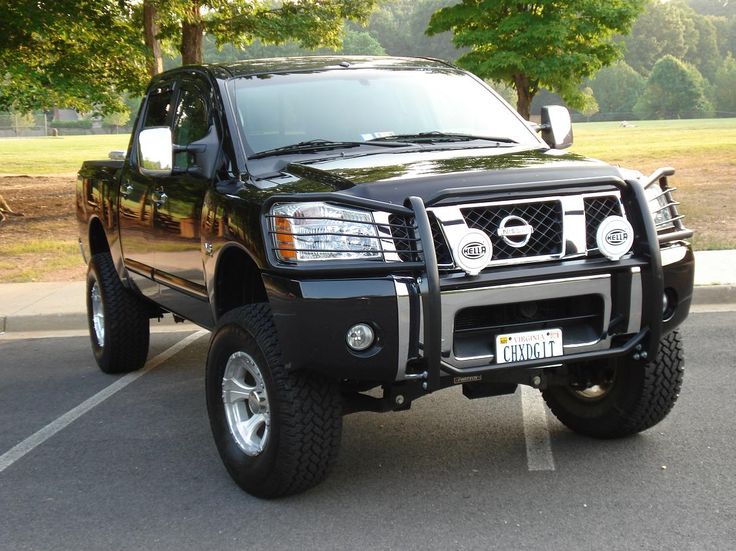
[(360, 105)]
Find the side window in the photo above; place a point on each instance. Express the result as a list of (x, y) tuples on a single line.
[(192, 120), (157, 110), (191, 123)]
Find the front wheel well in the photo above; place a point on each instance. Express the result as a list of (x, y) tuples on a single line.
[(238, 282)]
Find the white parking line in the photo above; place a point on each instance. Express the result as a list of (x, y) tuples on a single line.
[(39, 437), (538, 448)]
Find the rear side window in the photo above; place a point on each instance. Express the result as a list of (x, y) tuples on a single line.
[(158, 109)]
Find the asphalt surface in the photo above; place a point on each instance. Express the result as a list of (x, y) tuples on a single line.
[(140, 470)]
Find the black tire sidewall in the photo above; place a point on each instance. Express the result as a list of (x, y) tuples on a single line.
[(127, 330), (248, 471), (604, 417), (101, 353)]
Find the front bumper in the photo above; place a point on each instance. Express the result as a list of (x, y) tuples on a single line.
[(420, 321), (314, 315)]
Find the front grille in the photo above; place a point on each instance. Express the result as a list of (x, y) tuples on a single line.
[(403, 231), (597, 209), (545, 217)]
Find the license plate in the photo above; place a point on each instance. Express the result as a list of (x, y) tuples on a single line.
[(530, 345)]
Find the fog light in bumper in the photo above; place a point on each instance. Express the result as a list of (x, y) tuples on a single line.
[(669, 304), (360, 337)]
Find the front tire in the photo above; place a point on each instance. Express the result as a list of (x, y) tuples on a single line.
[(278, 433), (632, 398), (118, 320)]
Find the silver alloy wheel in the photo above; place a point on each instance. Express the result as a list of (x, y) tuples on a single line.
[(98, 315), (246, 404)]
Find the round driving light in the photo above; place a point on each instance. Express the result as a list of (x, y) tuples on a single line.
[(614, 237), (665, 304), (360, 337)]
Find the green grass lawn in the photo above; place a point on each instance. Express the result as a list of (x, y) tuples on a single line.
[(656, 140), (63, 155)]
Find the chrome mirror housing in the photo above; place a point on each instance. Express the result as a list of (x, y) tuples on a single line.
[(155, 151), (556, 126)]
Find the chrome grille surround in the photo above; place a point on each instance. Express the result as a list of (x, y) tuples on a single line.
[(563, 225)]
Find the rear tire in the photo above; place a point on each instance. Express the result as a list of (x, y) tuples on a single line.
[(278, 433), (118, 320), (636, 397)]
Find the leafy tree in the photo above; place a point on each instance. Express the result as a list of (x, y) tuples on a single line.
[(311, 23), (725, 34), (674, 90), (673, 28), (86, 54), (617, 88), (116, 120), (725, 88), (714, 7), (68, 53), (399, 26), (591, 106), (663, 29), (360, 43), (703, 47), (353, 43), (549, 43)]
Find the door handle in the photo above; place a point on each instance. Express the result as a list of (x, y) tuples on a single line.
[(161, 199), (127, 191)]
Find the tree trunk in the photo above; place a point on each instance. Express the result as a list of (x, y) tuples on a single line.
[(155, 60), (192, 36), (525, 94)]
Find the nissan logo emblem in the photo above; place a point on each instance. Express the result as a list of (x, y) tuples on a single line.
[(515, 231), (473, 250)]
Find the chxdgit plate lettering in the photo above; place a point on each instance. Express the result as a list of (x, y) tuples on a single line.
[(530, 345)]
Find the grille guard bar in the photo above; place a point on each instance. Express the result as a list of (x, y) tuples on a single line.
[(646, 247), (431, 300)]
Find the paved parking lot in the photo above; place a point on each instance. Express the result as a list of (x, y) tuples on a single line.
[(140, 471)]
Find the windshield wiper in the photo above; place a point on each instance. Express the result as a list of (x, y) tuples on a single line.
[(319, 145), (437, 136)]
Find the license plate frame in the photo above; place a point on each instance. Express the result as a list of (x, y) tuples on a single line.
[(529, 345)]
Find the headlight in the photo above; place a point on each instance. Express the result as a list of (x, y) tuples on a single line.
[(661, 206), (319, 231)]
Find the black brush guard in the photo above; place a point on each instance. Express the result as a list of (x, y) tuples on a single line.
[(646, 254)]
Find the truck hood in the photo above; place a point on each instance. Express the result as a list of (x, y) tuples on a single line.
[(394, 176)]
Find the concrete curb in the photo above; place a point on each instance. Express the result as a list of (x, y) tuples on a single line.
[(703, 295), (714, 294)]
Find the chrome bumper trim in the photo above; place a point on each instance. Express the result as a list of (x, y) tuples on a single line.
[(403, 313), (635, 301)]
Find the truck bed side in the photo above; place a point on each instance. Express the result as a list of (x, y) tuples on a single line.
[(96, 204)]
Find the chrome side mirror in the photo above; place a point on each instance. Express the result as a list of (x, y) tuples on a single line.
[(556, 126), (155, 151)]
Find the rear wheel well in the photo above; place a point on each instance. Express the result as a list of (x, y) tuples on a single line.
[(238, 282), (97, 238)]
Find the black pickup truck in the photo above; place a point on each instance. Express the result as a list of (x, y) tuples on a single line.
[(360, 232)]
